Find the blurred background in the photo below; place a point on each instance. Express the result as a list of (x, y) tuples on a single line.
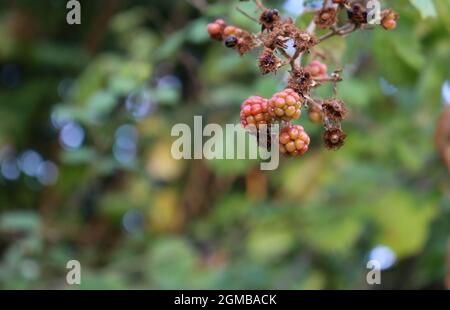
[(86, 171)]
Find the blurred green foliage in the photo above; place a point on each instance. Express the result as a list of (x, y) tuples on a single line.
[(143, 220)]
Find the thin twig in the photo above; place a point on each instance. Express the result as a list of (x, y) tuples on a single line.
[(200, 5), (260, 5), (344, 30), (246, 14), (311, 102)]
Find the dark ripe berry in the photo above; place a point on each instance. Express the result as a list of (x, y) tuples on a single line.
[(231, 41), (294, 141), (286, 105), (255, 111)]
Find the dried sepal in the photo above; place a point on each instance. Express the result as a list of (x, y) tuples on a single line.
[(357, 14), (326, 18), (300, 81), (334, 109), (334, 137), (268, 62), (304, 40), (269, 18)]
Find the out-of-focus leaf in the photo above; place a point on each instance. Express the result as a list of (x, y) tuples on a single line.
[(426, 8), (402, 222)]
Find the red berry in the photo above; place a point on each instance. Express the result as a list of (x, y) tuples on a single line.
[(215, 31), (286, 105), (232, 31), (221, 22), (315, 116), (389, 24), (294, 141), (255, 111), (317, 69)]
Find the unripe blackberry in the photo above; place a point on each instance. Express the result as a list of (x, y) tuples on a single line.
[(389, 24), (294, 141), (389, 19), (315, 115), (317, 69), (255, 111), (232, 31), (216, 29), (286, 105)]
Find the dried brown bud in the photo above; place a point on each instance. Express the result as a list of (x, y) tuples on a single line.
[(334, 138), (300, 81), (303, 41), (334, 109), (269, 18), (288, 28), (357, 14), (246, 43), (326, 18), (268, 62)]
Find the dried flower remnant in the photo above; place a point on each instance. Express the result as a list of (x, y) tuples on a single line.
[(326, 18), (268, 62), (334, 109)]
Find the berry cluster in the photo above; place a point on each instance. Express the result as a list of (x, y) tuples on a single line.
[(294, 140), (286, 106), (232, 36)]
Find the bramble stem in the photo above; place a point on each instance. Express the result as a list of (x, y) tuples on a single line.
[(260, 5), (311, 102), (246, 14), (344, 30)]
